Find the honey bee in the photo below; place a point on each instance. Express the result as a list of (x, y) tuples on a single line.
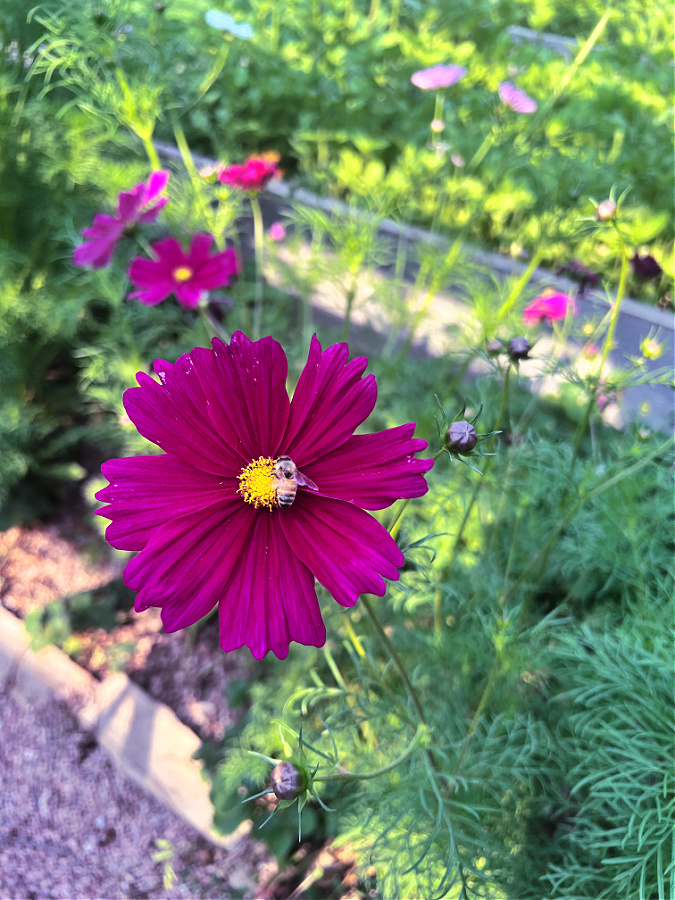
[(287, 479)]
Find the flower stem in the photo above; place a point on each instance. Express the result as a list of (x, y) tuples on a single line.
[(420, 734), (213, 328), (606, 348), (258, 244), (347, 323), (477, 486), (412, 693), (151, 152), (398, 515)]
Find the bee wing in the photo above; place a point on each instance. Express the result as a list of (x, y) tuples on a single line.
[(304, 481)]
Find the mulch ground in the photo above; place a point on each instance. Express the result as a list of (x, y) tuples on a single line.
[(70, 824)]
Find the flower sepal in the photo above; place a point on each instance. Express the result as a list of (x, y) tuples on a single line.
[(459, 437)]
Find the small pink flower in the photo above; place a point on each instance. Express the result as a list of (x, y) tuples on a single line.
[(277, 232), (437, 77), (591, 351), (254, 174), (550, 305), (457, 160), (517, 100), (138, 206), (187, 275)]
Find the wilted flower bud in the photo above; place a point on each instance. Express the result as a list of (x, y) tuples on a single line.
[(494, 347), (605, 211), (645, 267), (287, 781), (461, 437), (519, 347)]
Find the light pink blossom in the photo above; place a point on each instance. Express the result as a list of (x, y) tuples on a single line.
[(138, 206), (277, 231), (516, 99), (437, 77)]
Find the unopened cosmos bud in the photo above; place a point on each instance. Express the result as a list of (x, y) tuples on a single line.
[(461, 437), (494, 347), (286, 781), (519, 347), (605, 211)]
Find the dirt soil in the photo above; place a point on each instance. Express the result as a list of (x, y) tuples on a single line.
[(57, 828)]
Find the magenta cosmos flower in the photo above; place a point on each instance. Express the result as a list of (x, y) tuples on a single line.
[(138, 206), (516, 99), (437, 77), (187, 275), (205, 515), (551, 305), (254, 174)]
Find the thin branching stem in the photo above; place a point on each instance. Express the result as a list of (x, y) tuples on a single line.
[(421, 732), (258, 244)]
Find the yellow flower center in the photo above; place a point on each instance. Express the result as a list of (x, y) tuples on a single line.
[(256, 483), (182, 273)]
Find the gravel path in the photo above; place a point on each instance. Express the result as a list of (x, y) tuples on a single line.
[(72, 826)]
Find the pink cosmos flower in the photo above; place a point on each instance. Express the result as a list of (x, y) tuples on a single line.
[(138, 206), (550, 305), (517, 100), (204, 515), (437, 77), (277, 231), (254, 174), (187, 275)]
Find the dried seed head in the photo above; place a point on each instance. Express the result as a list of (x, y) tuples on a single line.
[(287, 781), (461, 437), (519, 348)]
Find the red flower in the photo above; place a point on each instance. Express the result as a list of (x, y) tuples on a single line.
[(187, 275), (254, 174), (138, 206), (205, 517), (550, 305)]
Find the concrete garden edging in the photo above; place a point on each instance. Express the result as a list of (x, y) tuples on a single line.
[(144, 738)]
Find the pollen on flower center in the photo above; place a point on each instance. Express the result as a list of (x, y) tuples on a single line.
[(182, 273), (256, 484)]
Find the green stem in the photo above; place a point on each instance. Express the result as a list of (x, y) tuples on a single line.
[(412, 693), (213, 328), (398, 515), (480, 709), (259, 250), (516, 291), (151, 153), (422, 732), (481, 153), (607, 346), (477, 486), (395, 11), (347, 322)]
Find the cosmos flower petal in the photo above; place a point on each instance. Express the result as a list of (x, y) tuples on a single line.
[(185, 566), (516, 99), (348, 551), (552, 305), (104, 234), (373, 470), (270, 600), (330, 401), (146, 492), (437, 77), (188, 295), (245, 387), (174, 416)]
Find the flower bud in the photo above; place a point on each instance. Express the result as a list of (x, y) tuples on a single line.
[(461, 437), (437, 125), (645, 267), (287, 781), (605, 211), (99, 17), (159, 6), (494, 347), (651, 349), (519, 347)]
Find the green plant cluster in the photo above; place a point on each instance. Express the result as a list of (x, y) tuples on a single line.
[(529, 752)]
